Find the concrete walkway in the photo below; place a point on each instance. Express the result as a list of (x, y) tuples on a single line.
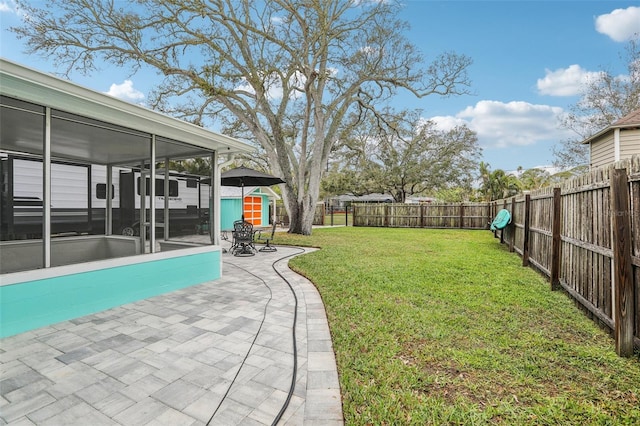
[(219, 353)]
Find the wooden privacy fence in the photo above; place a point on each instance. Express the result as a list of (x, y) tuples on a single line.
[(282, 217), (434, 215), (585, 236)]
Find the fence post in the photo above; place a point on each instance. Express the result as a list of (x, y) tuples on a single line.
[(461, 215), (386, 215), (623, 271), (556, 243), (527, 216), (513, 225), (489, 216), (494, 209), (504, 206), (353, 215)]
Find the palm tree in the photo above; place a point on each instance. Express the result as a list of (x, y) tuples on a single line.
[(497, 184)]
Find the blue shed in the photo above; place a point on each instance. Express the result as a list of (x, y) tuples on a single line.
[(256, 205)]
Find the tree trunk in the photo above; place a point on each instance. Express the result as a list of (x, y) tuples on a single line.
[(301, 217)]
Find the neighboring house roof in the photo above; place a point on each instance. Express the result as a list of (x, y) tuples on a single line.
[(413, 200), (629, 121), (364, 198)]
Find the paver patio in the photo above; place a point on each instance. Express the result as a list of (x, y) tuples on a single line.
[(219, 352)]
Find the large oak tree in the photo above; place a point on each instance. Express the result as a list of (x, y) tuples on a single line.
[(288, 75)]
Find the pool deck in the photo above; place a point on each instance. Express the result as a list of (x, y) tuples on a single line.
[(218, 353)]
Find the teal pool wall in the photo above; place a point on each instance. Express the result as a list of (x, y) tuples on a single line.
[(29, 305)]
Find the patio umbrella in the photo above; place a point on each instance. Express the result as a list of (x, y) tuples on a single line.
[(242, 176)]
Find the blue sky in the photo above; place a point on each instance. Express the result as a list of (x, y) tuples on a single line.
[(529, 61)]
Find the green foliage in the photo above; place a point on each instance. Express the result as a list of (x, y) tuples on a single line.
[(434, 327), (497, 184), (534, 179), (401, 154)]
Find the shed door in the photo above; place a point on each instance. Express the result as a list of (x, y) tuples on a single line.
[(253, 210)]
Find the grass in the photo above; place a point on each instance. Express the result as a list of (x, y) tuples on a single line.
[(446, 327)]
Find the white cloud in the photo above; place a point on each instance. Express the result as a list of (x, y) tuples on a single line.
[(621, 24), (125, 91), (447, 122), (6, 7), (565, 81), (502, 125)]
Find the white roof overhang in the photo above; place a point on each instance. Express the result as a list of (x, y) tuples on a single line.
[(95, 127)]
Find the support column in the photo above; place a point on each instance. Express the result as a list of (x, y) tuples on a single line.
[(46, 190), (108, 213), (214, 200), (152, 196), (166, 200), (143, 208)]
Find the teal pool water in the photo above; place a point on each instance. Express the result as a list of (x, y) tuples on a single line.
[(40, 302)]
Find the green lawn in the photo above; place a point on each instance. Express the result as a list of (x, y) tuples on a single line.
[(446, 327)]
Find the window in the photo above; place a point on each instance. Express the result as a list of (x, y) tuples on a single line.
[(192, 183), (101, 191), (173, 187)]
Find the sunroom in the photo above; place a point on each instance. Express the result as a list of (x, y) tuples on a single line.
[(92, 215)]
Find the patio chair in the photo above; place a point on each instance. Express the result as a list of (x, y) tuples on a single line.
[(266, 238), (242, 239)]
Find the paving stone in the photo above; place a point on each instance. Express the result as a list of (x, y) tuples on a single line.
[(76, 355), (231, 413), (141, 412), (99, 391), (81, 414), (251, 393), (323, 404), (203, 408), (17, 410), (144, 387), (27, 391), (267, 411), (11, 369), (44, 413), (112, 342), (173, 417), (179, 394), (114, 404), (17, 349), (204, 376), (321, 361), (25, 377), (23, 421), (276, 377)]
